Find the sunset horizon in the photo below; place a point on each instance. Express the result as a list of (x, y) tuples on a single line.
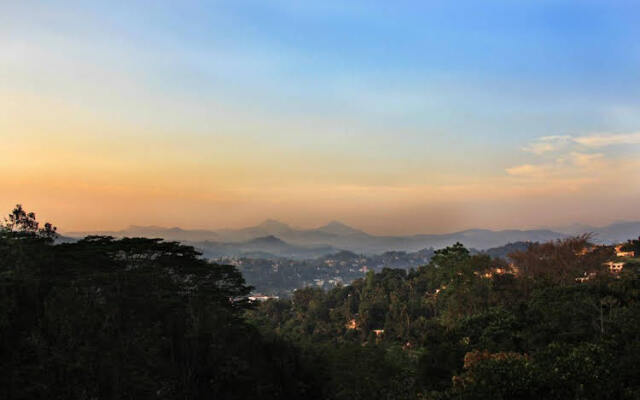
[(434, 123), (576, 227)]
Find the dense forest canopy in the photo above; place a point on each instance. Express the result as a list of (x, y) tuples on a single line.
[(136, 318), (128, 319)]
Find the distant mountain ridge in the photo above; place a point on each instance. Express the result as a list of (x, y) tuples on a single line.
[(277, 238), (613, 233), (338, 228), (262, 247)]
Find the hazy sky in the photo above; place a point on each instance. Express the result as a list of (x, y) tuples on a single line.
[(392, 116)]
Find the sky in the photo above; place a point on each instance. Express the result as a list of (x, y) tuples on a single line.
[(395, 117)]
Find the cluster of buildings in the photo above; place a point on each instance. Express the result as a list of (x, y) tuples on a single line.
[(623, 253), (615, 266)]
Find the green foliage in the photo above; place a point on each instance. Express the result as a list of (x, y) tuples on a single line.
[(496, 376), (141, 318), (132, 318), (533, 335)]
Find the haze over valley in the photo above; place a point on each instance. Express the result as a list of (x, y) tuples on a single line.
[(275, 239)]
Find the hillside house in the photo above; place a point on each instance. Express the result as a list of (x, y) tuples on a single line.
[(622, 253)]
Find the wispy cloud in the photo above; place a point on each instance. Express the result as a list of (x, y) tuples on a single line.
[(528, 170), (586, 160), (547, 144), (608, 139), (560, 143), (562, 157)]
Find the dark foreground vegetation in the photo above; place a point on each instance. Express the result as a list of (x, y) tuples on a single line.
[(146, 319)]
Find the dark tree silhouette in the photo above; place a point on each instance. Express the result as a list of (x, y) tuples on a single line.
[(21, 221)]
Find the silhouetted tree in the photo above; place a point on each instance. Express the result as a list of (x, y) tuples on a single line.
[(21, 221)]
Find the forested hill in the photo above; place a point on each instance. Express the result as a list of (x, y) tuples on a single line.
[(139, 318), (130, 319), (554, 324)]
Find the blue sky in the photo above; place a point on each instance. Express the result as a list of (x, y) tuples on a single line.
[(293, 94)]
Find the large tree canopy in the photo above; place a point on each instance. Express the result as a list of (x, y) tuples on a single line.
[(102, 318)]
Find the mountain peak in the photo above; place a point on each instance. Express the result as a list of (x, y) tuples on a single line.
[(274, 225), (336, 224), (338, 228), (270, 239)]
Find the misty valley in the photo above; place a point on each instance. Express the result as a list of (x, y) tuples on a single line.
[(276, 259)]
